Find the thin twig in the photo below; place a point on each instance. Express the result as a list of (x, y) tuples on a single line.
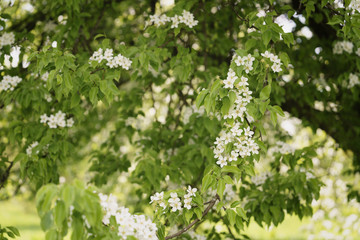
[(5, 176), (213, 201)]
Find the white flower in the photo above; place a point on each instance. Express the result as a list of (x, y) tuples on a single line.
[(9, 83), (57, 120), (266, 54), (176, 206), (358, 52), (45, 76), (249, 58), (70, 122), (222, 162), (276, 67), (7, 39), (248, 67), (175, 21), (43, 118), (30, 148), (353, 80), (108, 54), (348, 46), (188, 19), (239, 61), (191, 191)]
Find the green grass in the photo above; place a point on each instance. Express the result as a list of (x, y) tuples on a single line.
[(23, 215), (290, 229)]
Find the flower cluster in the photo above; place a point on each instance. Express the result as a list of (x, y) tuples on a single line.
[(128, 224), (188, 197), (355, 5), (158, 198), (340, 47), (174, 201), (353, 80), (261, 178), (237, 136), (7, 39), (48, 97), (243, 94), (57, 120), (276, 66), (282, 148), (246, 61), (30, 148), (357, 52), (112, 61), (186, 18), (242, 141), (45, 76), (308, 174), (9, 83)]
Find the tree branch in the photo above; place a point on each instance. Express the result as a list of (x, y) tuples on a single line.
[(4, 177), (212, 203)]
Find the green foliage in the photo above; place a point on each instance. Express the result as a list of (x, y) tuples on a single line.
[(153, 116)]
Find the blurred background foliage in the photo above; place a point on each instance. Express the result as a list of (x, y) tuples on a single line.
[(108, 141)]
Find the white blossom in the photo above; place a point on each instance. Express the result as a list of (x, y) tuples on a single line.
[(186, 18), (128, 224), (9, 82), (7, 39), (30, 148), (111, 61), (57, 120)]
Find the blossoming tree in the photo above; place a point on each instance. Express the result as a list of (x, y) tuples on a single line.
[(181, 95)]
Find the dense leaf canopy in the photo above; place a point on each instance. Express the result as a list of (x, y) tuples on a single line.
[(99, 89)]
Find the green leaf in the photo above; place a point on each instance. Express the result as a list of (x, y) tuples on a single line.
[(278, 110), (206, 182), (221, 188), (273, 117), (263, 105), (14, 230), (59, 214), (232, 169), (200, 98), (234, 204), (232, 97), (228, 179), (250, 44), (336, 20), (249, 170), (309, 7), (288, 39), (231, 215), (188, 215), (99, 36), (44, 198), (265, 92), (75, 100), (216, 86), (284, 58), (266, 37), (93, 95), (112, 87), (241, 213), (68, 194), (225, 105), (20, 157), (198, 213)]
